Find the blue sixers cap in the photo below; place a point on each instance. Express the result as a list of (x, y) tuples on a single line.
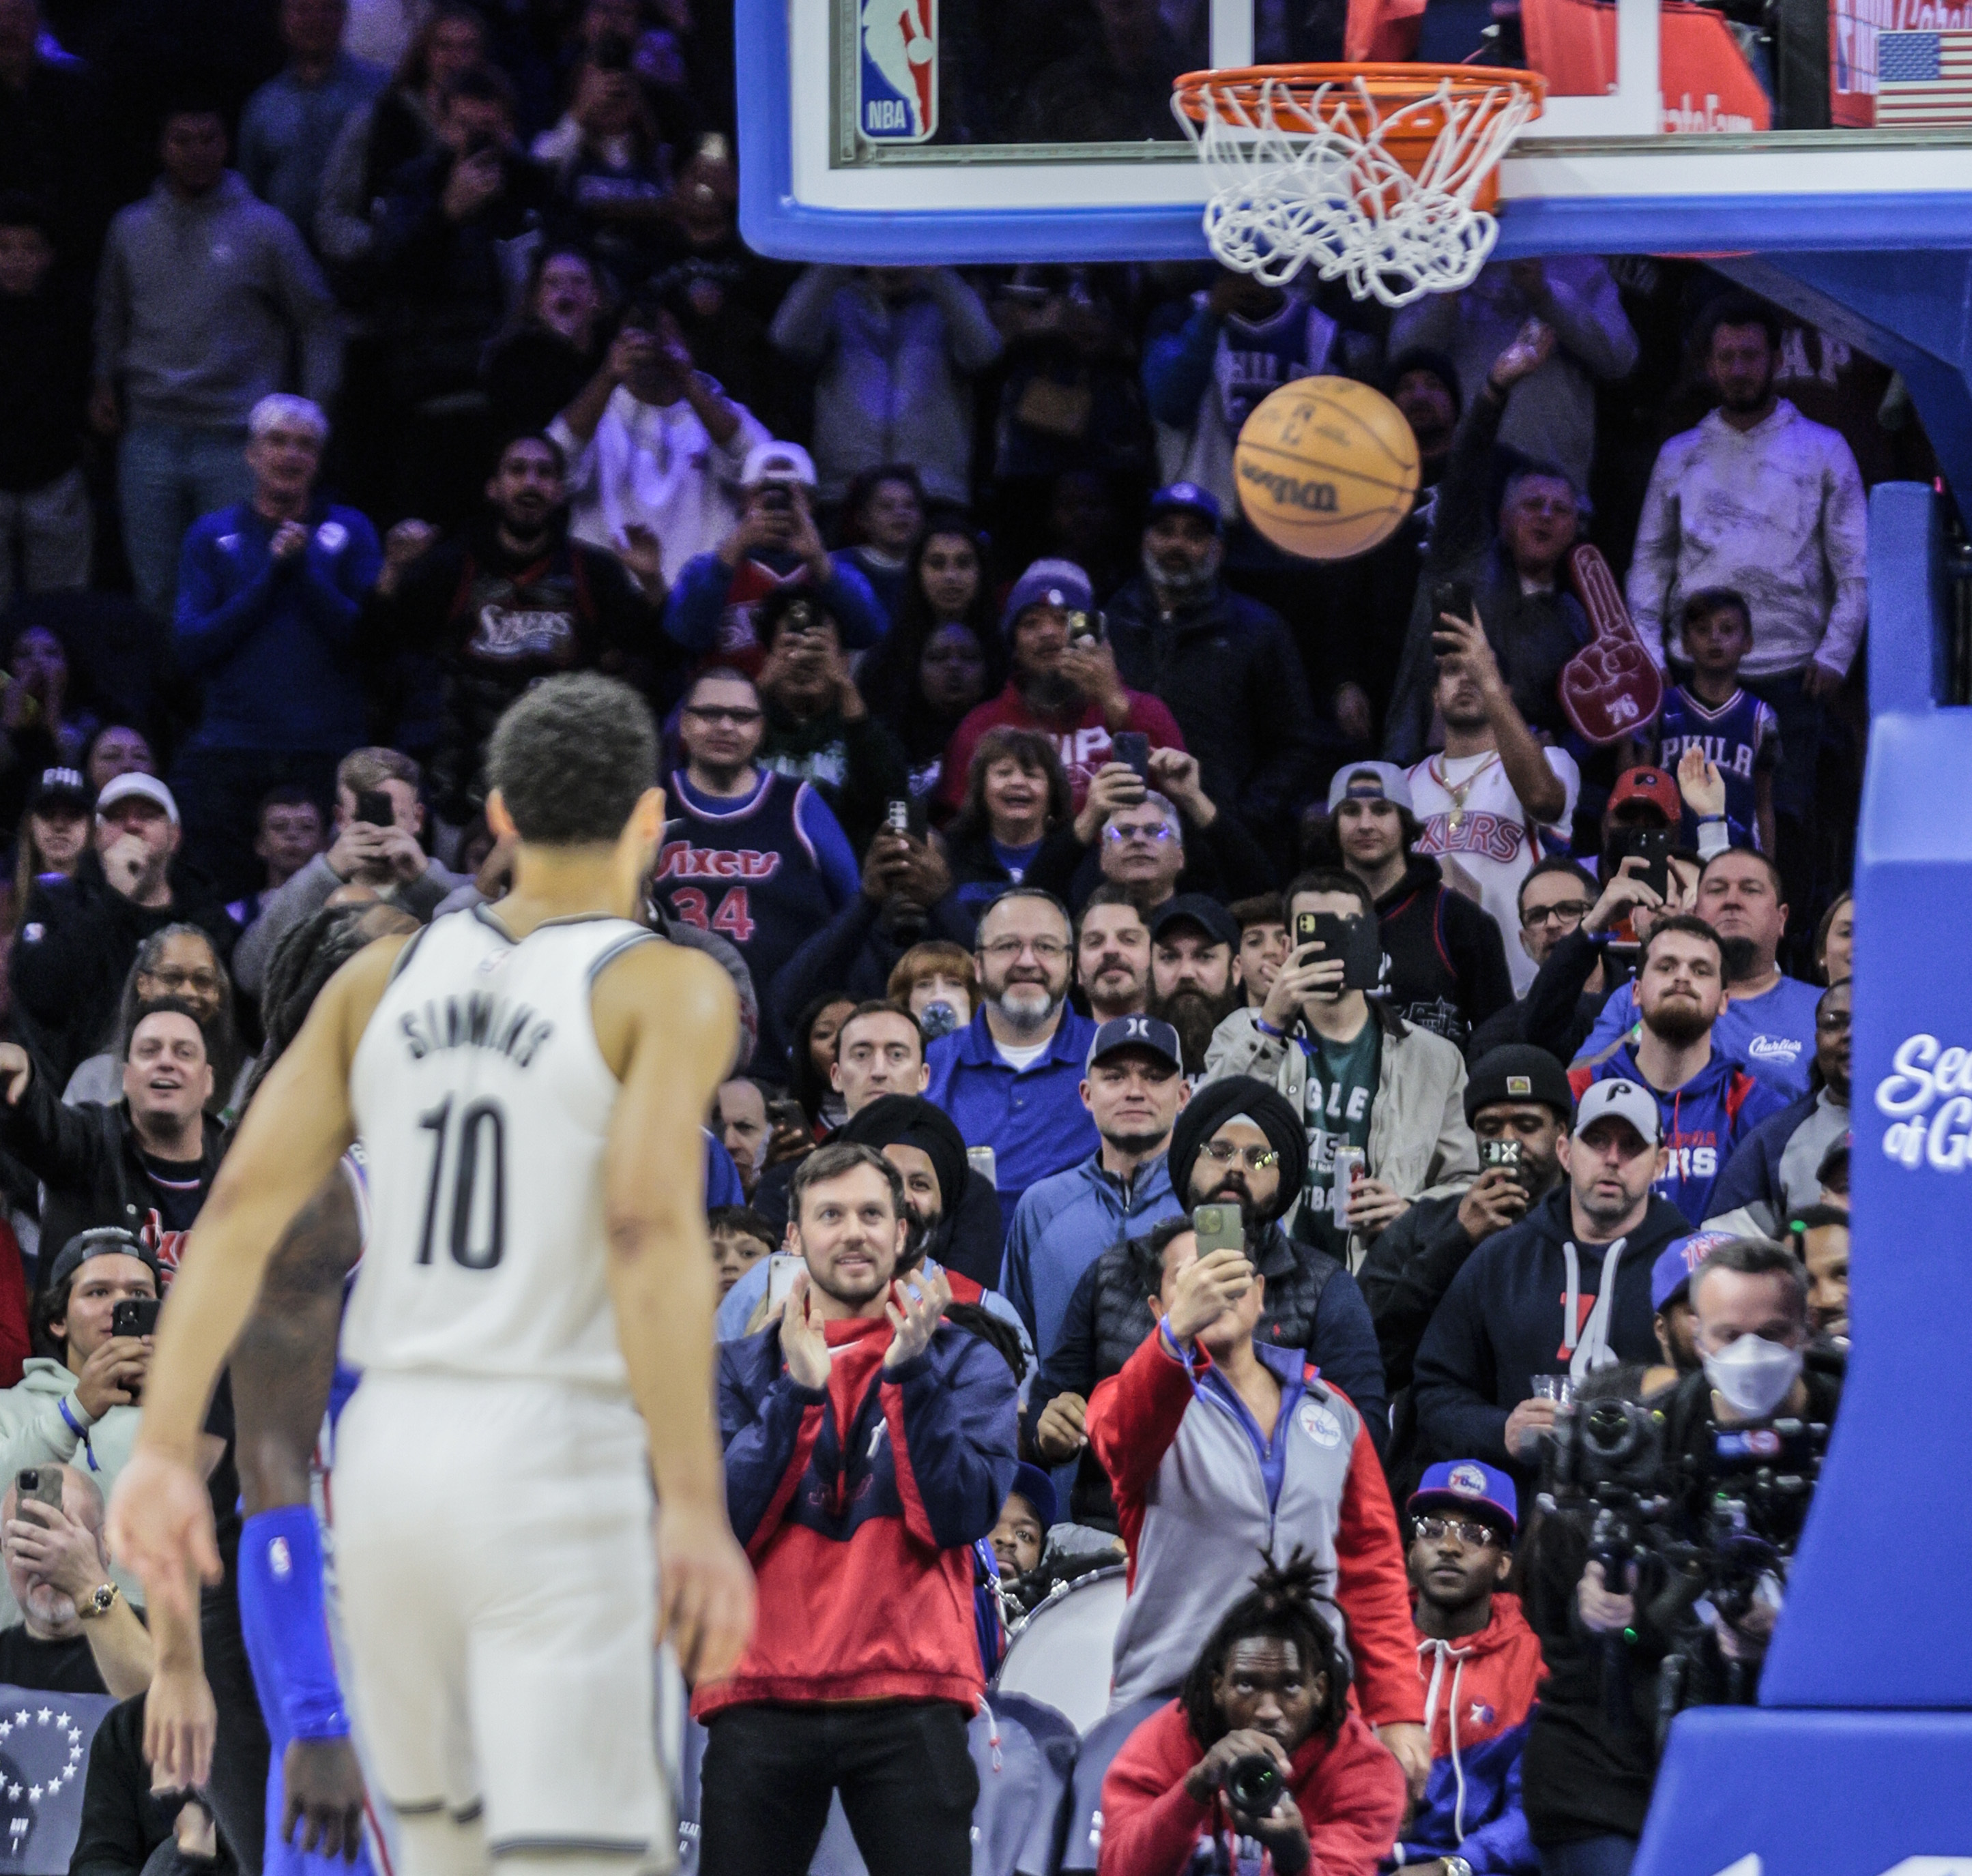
[(1466, 1485), (1672, 1271), (1186, 498)]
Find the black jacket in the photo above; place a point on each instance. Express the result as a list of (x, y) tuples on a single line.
[(123, 1822), (1312, 1303), (855, 953), (88, 1157), (79, 939), (1557, 1014), (1404, 1279), (1448, 963), (1229, 669)]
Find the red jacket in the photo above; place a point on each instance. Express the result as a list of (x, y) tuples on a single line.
[(1350, 1794), (1191, 1497), (1479, 1686), (1082, 737)]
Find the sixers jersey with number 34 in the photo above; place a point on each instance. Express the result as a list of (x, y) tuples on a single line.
[(483, 1104)]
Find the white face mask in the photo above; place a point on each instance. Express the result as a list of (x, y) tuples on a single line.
[(1754, 1376)]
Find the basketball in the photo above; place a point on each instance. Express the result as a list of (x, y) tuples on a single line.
[(1327, 468)]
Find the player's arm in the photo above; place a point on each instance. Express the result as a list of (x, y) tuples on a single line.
[(298, 1127), (666, 1022)]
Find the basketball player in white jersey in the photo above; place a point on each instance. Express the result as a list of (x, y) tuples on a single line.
[(529, 1084)]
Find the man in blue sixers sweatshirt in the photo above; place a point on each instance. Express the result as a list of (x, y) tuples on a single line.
[(1565, 1291), (1708, 1102), (868, 1446)]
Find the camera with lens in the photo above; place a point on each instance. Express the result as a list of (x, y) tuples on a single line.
[(1252, 1784)]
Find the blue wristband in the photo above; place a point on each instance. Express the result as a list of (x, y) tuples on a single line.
[(1267, 1028), (286, 1630), (61, 1406)]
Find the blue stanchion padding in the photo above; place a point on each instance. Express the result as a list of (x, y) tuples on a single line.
[(1860, 1756)]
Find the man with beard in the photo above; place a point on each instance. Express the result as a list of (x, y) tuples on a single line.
[(1133, 1091), (1236, 1142), (1226, 665), (1517, 1095), (1495, 800), (1195, 981), (1776, 1170), (507, 601), (1064, 684), (1362, 1078), (869, 1446), (1447, 961), (1566, 1291), (1759, 499), (1770, 1024), (1113, 955), (1011, 1078), (1709, 1102)]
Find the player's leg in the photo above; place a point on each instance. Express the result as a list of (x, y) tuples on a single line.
[(406, 1587), (909, 1786), (764, 1788)]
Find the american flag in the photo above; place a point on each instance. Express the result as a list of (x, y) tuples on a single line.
[(1923, 78)]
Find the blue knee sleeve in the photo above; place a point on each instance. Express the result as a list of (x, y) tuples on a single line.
[(287, 1633)]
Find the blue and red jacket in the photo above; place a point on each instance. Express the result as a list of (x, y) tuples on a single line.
[(858, 1505), (1703, 1120)]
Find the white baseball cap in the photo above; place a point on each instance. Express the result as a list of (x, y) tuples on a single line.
[(123, 786), (1627, 1101), (1369, 782), (777, 462)]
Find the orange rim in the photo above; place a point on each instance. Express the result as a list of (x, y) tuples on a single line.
[(1391, 85)]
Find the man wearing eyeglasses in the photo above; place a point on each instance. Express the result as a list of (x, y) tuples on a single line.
[(755, 856), (1480, 1664), (1559, 1005), (1011, 1079)]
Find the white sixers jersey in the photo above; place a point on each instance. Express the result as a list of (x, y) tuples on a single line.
[(483, 1104)]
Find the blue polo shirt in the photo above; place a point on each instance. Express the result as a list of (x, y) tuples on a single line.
[(1034, 1121)]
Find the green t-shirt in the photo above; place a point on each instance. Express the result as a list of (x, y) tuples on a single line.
[(1341, 1089)]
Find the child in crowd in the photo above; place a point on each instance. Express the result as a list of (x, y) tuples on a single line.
[(740, 1237)]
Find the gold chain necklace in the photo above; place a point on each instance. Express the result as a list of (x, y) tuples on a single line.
[(1456, 818)]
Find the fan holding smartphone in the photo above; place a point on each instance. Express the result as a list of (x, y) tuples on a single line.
[(1358, 1074), (378, 818)]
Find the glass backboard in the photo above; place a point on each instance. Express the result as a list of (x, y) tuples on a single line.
[(903, 131)]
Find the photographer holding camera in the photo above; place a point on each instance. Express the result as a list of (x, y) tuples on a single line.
[(1703, 1491), (1259, 1753)]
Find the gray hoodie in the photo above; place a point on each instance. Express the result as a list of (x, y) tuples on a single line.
[(199, 301)]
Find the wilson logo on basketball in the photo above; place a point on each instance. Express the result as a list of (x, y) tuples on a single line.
[(1317, 497)]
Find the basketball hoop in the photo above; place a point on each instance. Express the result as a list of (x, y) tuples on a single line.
[(1381, 174)]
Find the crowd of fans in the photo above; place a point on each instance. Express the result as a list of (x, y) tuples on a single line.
[(1306, 1076)]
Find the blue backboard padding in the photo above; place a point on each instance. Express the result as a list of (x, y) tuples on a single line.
[(1810, 1794)]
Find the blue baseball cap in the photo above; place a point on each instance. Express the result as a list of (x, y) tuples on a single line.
[(1186, 497), (1672, 1271), (1037, 1489), (1466, 1485), (1149, 1032)]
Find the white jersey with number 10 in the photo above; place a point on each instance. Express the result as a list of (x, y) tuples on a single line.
[(483, 1104)]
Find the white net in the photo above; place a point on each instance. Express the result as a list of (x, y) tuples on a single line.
[(1312, 173)]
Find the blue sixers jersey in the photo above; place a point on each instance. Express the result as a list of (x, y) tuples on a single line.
[(1742, 736), (766, 871)]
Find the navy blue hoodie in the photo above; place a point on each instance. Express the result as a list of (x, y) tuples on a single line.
[(1503, 1321)]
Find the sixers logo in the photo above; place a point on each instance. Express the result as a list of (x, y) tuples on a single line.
[(1467, 1481), (899, 100)]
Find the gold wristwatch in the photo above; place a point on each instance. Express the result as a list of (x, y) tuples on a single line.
[(99, 1601)]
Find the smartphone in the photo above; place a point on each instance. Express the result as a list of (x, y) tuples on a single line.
[(984, 1161), (135, 1316), (1356, 941), (1653, 846), (780, 1267), (1351, 1162), (906, 816), (1504, 1152), (776, 500), (1132, 748), (1086, 628), (42, 1482), (374, 809), (1220, 1227), (1450, 595)]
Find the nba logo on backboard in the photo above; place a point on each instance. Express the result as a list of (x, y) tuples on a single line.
[(898, 102)]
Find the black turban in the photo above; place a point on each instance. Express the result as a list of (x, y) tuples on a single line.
[(1212, 1106), (910, 1121)]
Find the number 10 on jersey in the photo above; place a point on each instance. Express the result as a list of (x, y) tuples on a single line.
[(475, 1230)]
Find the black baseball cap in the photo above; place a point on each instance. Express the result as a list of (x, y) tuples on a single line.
[(61, 787), (105, 1241), (1199, 909)]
